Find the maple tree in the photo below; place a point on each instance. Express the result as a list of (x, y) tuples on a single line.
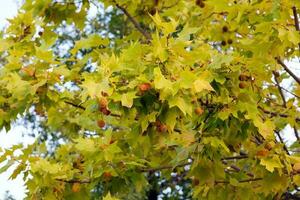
[(159, 89)]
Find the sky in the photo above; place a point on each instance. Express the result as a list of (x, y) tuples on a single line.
[(16, 187)]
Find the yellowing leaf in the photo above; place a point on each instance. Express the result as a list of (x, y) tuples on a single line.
[(271, 163), (184, 106), (200, 85), (85, 145), (127, 99), (266, 129), (109, 197)]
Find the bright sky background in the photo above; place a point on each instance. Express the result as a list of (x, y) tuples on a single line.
[(8, 8)]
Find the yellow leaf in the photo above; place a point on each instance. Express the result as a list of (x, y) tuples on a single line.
[(200, 85)]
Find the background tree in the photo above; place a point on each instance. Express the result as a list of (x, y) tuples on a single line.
[(150, 95)]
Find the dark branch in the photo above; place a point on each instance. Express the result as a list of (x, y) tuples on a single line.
[(281, 141), (235, 157), (74, 181), (288, 70), (241, 181), (296, 19), (83, 108), (280, 90), (163, 167), (276, 114), (296, 134), (75, 105), (135, 23)]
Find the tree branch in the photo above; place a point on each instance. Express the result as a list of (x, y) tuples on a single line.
[(296, 20), (241, 181), (75, 105), (280, 90), (74, 181), (235, 157), (134, 22), (164, 167), (83, 108), (281, 141), (276, 114), (288, 70)]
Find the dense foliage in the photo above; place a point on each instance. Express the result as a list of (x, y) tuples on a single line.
[(173, 98)]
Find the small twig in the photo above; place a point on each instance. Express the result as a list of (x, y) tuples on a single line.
[(235, 157), (276, 114), (241, 181), (74, 181), (281, 141), (288, 70), (296, 134), (280, 90), (83, 108), (135, 23), (75, 105), (163, 167), (290, 92)]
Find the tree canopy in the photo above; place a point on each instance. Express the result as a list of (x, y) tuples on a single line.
[(185, 92)]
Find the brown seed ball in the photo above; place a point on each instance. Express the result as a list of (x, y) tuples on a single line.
[(101, 123), (144, 87), (225, 29), (162, 128), (223, 43), (229, 41), (200, 3), (242, 85), (103, 103), (199, 111)]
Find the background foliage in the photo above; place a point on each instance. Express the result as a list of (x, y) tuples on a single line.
[(178, 99)]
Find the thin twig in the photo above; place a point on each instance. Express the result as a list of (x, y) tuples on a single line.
[(163, 167), (284, 104), (276, 114), (296, 134), (280, 90), (235, 157), (241, 181), (290, 92), (75, 105), (288, 70), (281, 141), (135, 23), (83, 108), (74, 181)]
